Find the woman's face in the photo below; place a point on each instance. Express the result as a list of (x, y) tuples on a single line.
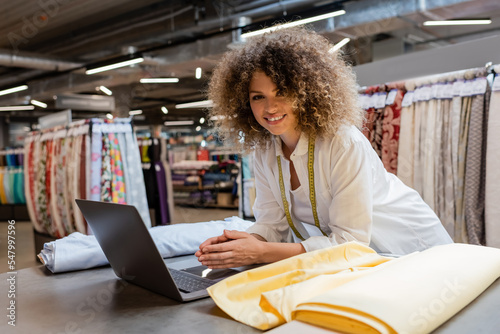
[(270, 108)]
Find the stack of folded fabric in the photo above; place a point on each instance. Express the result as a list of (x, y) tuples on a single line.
[(78, 251)]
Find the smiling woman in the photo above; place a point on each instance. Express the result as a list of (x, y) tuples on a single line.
[(319, 183)]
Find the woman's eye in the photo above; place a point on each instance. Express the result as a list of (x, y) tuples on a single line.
[(256, 97)]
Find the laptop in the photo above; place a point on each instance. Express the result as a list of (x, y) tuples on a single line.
[(134, 257)]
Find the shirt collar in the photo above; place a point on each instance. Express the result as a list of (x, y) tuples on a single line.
[(301, 148)]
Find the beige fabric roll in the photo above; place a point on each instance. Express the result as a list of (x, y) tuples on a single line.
[(413, 294)]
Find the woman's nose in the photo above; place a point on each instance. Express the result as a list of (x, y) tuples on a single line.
[(271, 106)]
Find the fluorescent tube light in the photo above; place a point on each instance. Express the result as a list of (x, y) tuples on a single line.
[(456, 22), (13, 90), (197, 104), (159, 80), (12, 108), (135, 112), (115, 66), (198, 73), (293, 24), (38, 104), (164, 109), (340, 45), (105, 90), (173, 123)]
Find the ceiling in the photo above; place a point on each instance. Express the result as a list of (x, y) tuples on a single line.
[(48, 44)]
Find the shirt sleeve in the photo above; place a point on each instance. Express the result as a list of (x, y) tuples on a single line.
[(270, 218), (351, 187)]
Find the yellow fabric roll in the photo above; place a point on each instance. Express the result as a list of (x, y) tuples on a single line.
[(266, 296), (413, 294)]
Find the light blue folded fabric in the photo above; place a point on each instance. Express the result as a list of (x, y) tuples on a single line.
[(78, 251)]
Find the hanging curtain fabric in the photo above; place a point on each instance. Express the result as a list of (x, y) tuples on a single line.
[(445, 148), (66, 163), (406, 147), (492, 182), (391, 126)]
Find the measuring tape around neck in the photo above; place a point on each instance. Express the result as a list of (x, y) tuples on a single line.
[(312, 192)]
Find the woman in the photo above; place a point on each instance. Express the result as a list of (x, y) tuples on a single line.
[(318, 180)]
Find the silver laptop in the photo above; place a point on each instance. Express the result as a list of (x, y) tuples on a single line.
[(133, 255)]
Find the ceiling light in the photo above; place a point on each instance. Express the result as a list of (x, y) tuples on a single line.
[(105, 90), (293, 24), (38, 104), (339, 45), (198, 128), (197, 104), (13, 90), (202, 120), (198, 73), (109, 116), (135, 112), (173, 123), (159, 80), (203, 143), (164, 109), (456, 22), (12, 108), (114, 66)]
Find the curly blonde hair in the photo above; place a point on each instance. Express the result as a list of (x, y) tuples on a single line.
[(320, 85)]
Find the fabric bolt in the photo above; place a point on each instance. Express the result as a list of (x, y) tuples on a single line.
[(57, 224), (95, 166), (492, 182), (162, 193), (137, 185), (3, 196), (460, 273), (448, 195), (106, 177), (62, 186), (41, 193), (29, 182), (460, 226), (69, 184), (428, 146), (127, 177), (117, 180), (390, 133), (377, 134), (343, 288), (418, 176), (439, 159), (170, 190), (19, 197), (475, 168), (406, 145), (80, 224)]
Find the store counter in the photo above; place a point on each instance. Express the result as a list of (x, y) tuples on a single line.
[(96, 301)]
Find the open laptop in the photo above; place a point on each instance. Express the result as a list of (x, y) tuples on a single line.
[(133, 255)]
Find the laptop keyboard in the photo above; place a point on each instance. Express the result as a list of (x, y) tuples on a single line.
[(187, 282)]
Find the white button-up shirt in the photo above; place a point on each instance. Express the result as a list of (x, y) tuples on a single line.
[(356, 198)]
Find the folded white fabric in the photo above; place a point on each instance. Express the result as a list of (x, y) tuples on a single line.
[(78, 251)]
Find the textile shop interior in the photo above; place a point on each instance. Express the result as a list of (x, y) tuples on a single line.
[(106, 101)]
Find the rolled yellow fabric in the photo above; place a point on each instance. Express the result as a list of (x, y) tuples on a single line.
[(266, 296), (413, 294)]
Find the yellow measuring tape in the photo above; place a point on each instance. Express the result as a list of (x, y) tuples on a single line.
[(312, 192)]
